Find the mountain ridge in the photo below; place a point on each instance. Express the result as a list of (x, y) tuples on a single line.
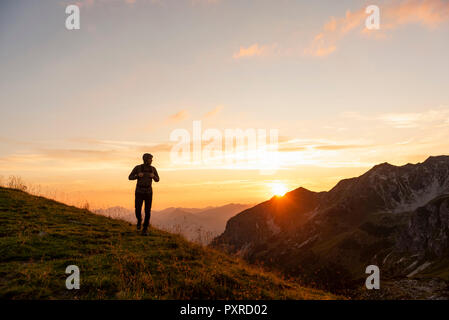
[(334, 234)]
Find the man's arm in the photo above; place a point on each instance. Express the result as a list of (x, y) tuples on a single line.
[(133, 175), (156, 175)]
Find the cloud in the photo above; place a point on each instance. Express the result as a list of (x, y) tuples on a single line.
[(333, 147), (291, 149), (85, 154), (253, 51), (213, 112), (429, 13), (116, 143), (324, 147), (127, 145), (179, 116), (325, 42), (161, 147), (295, 145), (430, 119), (77, 158), (436, 118), (15, 142)]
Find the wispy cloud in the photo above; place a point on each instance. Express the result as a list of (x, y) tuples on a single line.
[(85, 154), (123, 144), (254, 50), (179, 116), (213, 112), (332, 147), (436, 118), (426, 119), (431, 118), (428, 13), (295, 145), (161, 147)]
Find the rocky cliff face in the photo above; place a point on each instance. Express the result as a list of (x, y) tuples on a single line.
[(395, 188), (427, 231), (392, 216)]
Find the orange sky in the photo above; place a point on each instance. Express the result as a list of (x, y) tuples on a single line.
[(80, 107)]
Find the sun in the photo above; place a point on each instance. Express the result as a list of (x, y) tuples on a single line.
[(278, 189)]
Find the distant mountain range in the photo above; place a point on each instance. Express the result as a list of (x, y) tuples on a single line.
[(195, 224), (395, 217)]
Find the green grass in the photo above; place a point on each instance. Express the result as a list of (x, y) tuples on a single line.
[(39, 238)]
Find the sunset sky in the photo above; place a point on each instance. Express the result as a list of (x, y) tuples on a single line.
[(80, 107)]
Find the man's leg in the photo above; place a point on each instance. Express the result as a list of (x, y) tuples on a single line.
[(138, 205), (148, 202)]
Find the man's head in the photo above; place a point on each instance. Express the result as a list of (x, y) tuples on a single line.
[(147, 158)]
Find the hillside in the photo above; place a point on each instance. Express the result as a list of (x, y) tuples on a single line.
[(396, 217), (39, 238)]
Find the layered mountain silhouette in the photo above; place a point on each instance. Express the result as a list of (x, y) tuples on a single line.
[(200, 225), (395, 217)]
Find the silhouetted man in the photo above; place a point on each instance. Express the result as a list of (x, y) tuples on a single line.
[(144, 173)]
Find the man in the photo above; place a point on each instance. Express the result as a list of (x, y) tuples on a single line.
[(144, 173)]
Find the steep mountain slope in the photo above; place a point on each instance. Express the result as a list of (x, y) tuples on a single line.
[(198, 225), (39, 238), (394, 217)]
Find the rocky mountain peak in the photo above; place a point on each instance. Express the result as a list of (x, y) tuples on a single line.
[(393, 216), (396, 188)]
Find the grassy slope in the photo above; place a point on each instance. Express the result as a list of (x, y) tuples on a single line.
[(39, 238)]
